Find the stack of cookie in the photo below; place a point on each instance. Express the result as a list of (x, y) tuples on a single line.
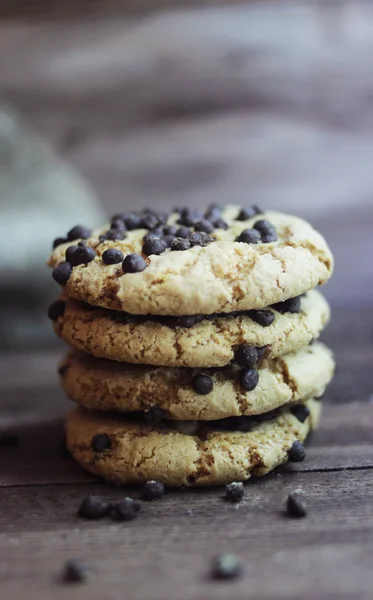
[(193, 355)]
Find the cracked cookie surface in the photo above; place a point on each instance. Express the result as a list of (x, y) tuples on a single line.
[(139, 452), (110, 386), (210, 343), (223, 276)]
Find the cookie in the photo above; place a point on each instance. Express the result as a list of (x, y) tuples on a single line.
[(211, 342), (110, 386), (225, 263), (124, 451)]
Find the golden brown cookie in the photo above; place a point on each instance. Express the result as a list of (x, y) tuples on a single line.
[(124, 451), (251, 263), (110, 386), (208, 343)]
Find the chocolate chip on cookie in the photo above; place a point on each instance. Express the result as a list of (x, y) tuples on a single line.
[(82, 256), (226, 566), (292, 305), (155, 233), (76, 571), (152, 490), (220, 224), (78, 232), (266, 230), (246, 356), (69, 253), (93, 507), (189, 217), (263, 317), (295, 505), (248, 213), (200, 238), (117, 222), (56, 310), (188, 321), (204, 225), (183, 232), (300, 411), (155, 415), (202, 384), (112, 256), (249, 236), (125, 510), (213, 212), (234, 492), (262, 352), (249, 379), (59, 241), (133, 263), (297, 452), (180, 243), (154, 246), (115, 234), (62, 273), (133, 222), (170, 230), (101, 442)]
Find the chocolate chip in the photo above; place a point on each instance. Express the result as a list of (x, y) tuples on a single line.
[(263, 317), (183, 232), (62, 273), (249, 236), (78, 232), (200, 238), (150, 221), (267, 231), (189, 217), (93, 507), (133, 222), (56, 310), (63, 369), (152, 490), (125, 510), (300, 411), (69, 253), (112, 256), (226, 566), (220, 224), (262, 352), (180, 244), (188, 321), (8, 440), (133, 263), (156, 233), (170, 230), (234, 492), (115, 234), (82, 256), (202, 384), (204, 225), (247, 213), (82, 243), (295, 505), (297, 452), (249, 379), (246, 356), (168, 239), (213, 212), (292, 305), (59, 241), (154, 246), (101, 442), (76, 572), (117, 222), (155, 415)]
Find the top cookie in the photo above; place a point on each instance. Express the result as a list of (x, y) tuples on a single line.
[(190, 262)]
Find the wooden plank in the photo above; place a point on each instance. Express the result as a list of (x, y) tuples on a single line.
[(167, 550)]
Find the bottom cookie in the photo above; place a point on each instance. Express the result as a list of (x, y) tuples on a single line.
[(124, 450)]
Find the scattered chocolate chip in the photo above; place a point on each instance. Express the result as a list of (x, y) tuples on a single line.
[(152, 490), (93, 507), (115, 234), (200, 238), (204, 225), (101, 442), (249, 379), (249, 236), (69, 252), (125, 510), (297, 452), (300, 411), (183, 232), (155, 415), (154, 246), (112, 256), (62, 273), (133, 263), (295, 505), (170, 230), (220, 224), (267, 231), (234, 492), (133, 222), (246, 356), (226, 566), (188, 321), (247, 213), (63, 369), (292, 305), (263, 317), (82, 256), (78, 232), (56, 310), (76, 571), (202, 384), (59, 241), (8, 440), (180, 244)]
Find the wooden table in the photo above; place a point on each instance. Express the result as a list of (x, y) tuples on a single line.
[(166, 552)]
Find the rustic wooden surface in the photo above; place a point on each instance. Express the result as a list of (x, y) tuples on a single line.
[(166, 552)]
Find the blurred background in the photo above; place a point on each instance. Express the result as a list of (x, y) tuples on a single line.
[(106, 106)]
